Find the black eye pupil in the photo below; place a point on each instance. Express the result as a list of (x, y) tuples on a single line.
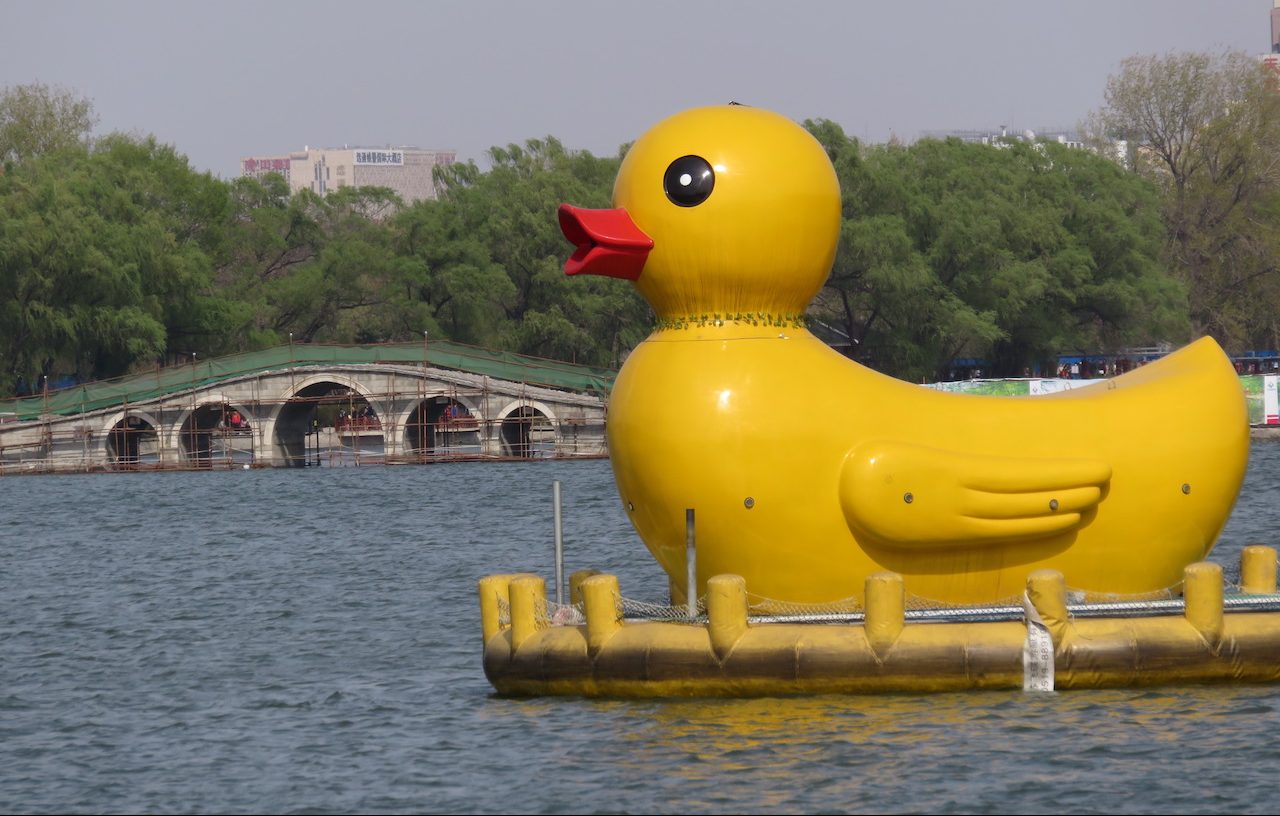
[(688, 181)]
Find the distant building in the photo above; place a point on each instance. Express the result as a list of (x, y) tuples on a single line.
[(259, 166), (1116, 150), (1275, 27), (1003, 135), (407, 171), (1272, 59)]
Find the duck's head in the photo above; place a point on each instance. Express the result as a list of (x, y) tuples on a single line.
[(718, 210)]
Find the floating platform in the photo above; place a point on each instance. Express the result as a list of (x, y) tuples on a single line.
[(1204, 636)]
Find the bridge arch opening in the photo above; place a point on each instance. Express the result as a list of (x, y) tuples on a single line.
[(132, 443), (196, 435), (443, 426), (327, 409), (528, 433), (216, 433)]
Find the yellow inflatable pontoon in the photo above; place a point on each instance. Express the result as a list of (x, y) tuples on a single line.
[(1043, 645)]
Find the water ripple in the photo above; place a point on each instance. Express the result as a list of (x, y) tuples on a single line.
[(308, 642)]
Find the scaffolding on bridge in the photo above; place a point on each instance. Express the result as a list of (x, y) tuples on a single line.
[(323, 424)]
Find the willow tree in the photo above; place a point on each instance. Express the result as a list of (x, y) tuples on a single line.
[(1205, 129), (511, 211), (36, 119), (72, 287), (1011, 253), (448, 282), (105, 261)]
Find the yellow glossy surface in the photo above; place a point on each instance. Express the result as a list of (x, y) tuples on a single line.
[(756, 242), (808, 472)]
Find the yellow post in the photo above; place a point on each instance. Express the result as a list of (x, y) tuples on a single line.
[(1202, 589), (528, 607), (886, 604), (1258, 570), (602, 605), (575, 584), (1047, 590), (493, 590), (726, 612)]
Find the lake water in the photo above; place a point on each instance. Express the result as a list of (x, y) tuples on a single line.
[(308, 641)]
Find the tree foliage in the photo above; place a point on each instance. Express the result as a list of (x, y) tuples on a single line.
[(952, 250), (104, 259), (36, 119), (115, 255), (511, 210), (1205, 129)]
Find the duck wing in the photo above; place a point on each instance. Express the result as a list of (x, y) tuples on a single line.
[(906, 495)]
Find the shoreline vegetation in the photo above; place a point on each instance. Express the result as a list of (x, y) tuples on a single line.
[(118, 256)]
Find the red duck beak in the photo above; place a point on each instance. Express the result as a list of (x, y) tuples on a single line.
[(608, 243)]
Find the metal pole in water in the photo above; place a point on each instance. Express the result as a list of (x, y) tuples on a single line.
[(555, 494), (691, 563)]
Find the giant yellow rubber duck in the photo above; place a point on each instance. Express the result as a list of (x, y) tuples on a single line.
[(808, 472)]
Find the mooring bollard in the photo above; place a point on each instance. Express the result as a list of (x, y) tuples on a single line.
[(886, 609), (1258, 570), (726, 612), (602, 605), (1202, 591), (528, 607), (493, 589), (575, 584)]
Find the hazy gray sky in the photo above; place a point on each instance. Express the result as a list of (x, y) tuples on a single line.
[(222, 80)]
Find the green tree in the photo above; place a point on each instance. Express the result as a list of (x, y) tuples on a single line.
[(270, 230), (105, 260), (1205, 129), (512, 210), (1013, 254), (341, 294), (36, 119), (73, 293), (177, 218), (448, 283), (269, 235)]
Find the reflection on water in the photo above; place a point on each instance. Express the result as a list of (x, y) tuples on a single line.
[(1196, 748), (705, 730)]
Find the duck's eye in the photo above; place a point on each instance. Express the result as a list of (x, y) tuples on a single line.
[(688, 181)]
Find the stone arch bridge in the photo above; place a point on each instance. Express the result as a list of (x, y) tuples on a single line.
[(308, 405)]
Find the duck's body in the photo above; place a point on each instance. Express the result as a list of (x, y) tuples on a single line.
[(808, 472), (798, 463)]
